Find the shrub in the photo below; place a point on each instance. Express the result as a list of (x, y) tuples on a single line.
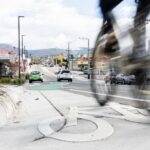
[(16, 81), (82, 65), (5, 80)]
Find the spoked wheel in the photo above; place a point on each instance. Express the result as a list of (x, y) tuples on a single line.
[(103, 89)]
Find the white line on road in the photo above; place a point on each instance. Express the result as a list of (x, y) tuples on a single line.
[(116, 96)]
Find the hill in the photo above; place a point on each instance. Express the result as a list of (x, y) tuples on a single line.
[(45, 52), (7, 47)]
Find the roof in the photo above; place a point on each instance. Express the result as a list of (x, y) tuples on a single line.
[(3, 52)]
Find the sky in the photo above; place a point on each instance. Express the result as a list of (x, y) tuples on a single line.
[(54, 23)]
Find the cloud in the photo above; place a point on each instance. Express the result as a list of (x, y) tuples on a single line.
[(50, 23), (47, 23)]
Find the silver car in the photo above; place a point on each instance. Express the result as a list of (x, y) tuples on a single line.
[(64, 75)]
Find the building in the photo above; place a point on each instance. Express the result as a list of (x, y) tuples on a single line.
[(8, 63), (4, 63)]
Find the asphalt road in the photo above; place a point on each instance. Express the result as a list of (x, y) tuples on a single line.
[(38, 105), (123, 93)]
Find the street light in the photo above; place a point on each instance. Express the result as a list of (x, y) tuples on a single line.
[(70, 65), (88, 40), (69, 54), (23, 51), (19, 41), (22, 45)]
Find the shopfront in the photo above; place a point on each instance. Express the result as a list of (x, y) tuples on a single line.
[(4, 63)]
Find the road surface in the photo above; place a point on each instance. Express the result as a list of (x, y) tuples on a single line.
[(21, 132)]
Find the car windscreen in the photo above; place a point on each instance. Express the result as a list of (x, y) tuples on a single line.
[(65, 71), (35, 72)]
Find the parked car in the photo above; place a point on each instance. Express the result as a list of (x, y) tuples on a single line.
[(120, 79), (130, 79), (110, 77), (64, 75), (85, 71), (51, 65), (125, 79), (35, 76)]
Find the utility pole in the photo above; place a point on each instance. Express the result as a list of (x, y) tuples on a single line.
[(26, 51), (19, 43), (22, 44), (88, 57), (68, 55), (23, 51)]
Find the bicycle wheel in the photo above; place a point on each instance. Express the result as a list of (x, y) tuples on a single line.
[(103, 87)]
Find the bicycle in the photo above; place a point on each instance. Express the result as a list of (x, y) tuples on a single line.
[(108, 45)]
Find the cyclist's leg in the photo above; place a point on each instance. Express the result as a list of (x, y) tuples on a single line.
[(142, 12), (140, 70)]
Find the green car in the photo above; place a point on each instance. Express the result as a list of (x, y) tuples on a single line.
[(35, 76)]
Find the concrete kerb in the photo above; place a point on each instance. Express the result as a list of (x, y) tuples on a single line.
[(6, 105), (9, 104)]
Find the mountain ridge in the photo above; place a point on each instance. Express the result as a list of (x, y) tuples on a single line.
[(45, 52)]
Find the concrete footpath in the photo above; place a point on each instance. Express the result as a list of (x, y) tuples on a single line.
[(22, 132)]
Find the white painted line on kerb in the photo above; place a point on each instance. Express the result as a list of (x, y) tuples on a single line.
[(116, 96)]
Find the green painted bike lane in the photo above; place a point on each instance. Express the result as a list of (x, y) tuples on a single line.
[(44, 87)]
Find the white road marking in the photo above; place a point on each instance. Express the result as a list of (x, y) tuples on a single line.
[(103, 130), (116, 96)]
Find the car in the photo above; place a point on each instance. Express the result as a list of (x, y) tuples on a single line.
[(120, 79), (85, 71), (64, 75), (35, 76), (125, 79), (130, 79), (51, 65), (110, 77)]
